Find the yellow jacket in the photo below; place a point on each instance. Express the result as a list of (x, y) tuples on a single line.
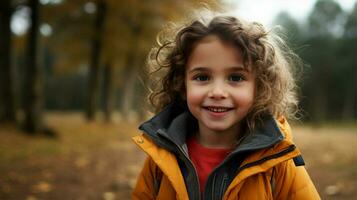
[(266, 165)]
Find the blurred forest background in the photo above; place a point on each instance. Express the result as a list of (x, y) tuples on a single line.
[(75, 71)]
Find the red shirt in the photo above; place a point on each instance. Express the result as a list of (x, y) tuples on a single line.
[(205, 159)]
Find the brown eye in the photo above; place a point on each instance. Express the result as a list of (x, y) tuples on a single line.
[(236, 78), (201, 78)]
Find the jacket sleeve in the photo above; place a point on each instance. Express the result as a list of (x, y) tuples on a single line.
[(145, 187), (293, 182)]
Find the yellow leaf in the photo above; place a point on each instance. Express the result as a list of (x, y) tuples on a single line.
[(108, 196), (31, 198), (42, 187)]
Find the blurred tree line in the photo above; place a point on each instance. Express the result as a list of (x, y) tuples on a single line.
[(327, 43), (89, 55)]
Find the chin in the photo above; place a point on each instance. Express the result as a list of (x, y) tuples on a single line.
[(218, 128)]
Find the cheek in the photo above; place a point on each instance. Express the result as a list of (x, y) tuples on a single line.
[(194, 96), (245, 98)]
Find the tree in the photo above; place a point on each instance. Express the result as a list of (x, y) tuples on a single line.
[(7, 108), (326, 18), (93, 83), (108, 91), (323, 23), (346, 76), (32, 97)]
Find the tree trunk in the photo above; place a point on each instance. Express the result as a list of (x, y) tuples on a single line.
[(7, 109), (131, 72), (349, 105), (33, 83), (319, 103), (108, 86), (128, 95), (129, 78), (142, 110), (93, 84)]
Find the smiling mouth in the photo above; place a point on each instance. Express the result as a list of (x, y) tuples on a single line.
[(218, 109)]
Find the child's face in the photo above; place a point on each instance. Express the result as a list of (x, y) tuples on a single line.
[(219, 90)]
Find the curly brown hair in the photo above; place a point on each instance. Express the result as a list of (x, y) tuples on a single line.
[(263, 51)]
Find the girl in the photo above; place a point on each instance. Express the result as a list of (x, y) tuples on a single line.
[(220, 130)]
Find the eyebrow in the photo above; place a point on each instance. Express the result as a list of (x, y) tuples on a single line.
[(198, 69), (231, 68), (238, 68)]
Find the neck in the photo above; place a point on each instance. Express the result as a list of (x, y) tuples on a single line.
[(219, 139)]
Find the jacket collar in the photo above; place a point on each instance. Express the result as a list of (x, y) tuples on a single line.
[(176, 123)]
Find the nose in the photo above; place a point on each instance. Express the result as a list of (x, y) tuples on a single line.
[(218, 91)]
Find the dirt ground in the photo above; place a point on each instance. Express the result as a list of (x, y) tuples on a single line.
[(331, 159), (99, 161)]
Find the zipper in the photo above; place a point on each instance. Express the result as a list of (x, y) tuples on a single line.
[(251, 164), (213, 184), (187, 161), (223, 185)]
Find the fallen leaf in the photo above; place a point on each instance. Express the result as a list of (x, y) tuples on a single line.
[(332, 190), (31, 198), (42, 187), (108, 196)]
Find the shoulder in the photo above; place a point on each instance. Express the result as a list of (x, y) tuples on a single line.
[(294, 182)]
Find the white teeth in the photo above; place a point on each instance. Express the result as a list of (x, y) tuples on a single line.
[(217, 109)]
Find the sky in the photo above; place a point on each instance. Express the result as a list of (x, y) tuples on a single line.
[(264, 11)]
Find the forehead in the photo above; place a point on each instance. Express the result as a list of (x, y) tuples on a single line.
[(211, 51)]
